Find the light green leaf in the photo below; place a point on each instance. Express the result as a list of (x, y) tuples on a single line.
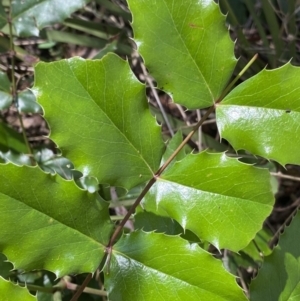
[(10, 291), (49, 223), (220, 199), (152, 266), (186, 47), (279, 277), (100, 119), (32, 15), (262, 115)]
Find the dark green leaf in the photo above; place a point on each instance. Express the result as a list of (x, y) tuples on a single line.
[(27, 103), (32, 15), (279, 277), (11, 140), (5, 94)]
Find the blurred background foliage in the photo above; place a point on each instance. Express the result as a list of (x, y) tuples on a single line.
[(267, 27)]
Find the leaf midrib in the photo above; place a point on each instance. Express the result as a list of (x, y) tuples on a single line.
[(161, 272), (138, 153)]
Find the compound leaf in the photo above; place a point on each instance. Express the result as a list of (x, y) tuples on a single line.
[(153, 266), (186, 47), (10, 291), (100, 119), (220, 199), (49, 223), (262, 115), (279, 277), (30, 16)]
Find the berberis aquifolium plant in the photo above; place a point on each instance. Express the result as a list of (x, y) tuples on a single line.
[(99, 118)]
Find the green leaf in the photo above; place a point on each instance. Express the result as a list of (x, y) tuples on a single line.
[(186, 47), (259, 246), (49, 223), (152, 266), (220, 199), (262, 114), (100, 119), (3, 17), (27, 103), (11, 140), (5, 94), (5, 266), (32, 15), (171, 147), (10, 291), (279, 277)]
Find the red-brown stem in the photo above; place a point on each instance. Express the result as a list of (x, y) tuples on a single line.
[(82, 287)]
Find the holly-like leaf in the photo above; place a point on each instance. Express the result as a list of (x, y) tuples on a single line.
[(262, 115), (279, 277), (30, 16), (220, 199), (152, 266), (186, 47), (10, 291), (100, 119), (49, 223)]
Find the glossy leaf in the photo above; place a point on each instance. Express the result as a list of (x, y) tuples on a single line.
[(186, 47), (220, 199), (262, 115), (5, 94), (27, 103), (152, 266), (10, 291), (100, 119), (32, 15), (49, 223), (279, 277)]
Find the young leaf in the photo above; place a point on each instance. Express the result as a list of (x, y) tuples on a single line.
[(262, 114), (279, 277), (220, 199), (152, 266), (30, 16), (11, 291), (49, 223), (100, 119), (186, 47)]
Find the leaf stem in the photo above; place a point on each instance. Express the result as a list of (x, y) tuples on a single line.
[(13, 82), (240, 74), (160, 171), (82, 287)]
